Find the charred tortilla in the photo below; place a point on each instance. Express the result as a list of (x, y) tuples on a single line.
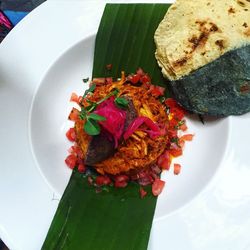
[(202, 47)]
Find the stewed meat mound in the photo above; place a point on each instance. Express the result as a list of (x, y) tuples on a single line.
[(140, 145)]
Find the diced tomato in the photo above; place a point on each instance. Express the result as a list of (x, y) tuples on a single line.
[(142, 174), (153, 176), (109, 66), (160, 160), (170, 102), (187, 137), (121, 184), (178, 113), (161, 89), (148, 179), (71, 134), (155, 168), (74, 97), (121, 178), (181, 143), (172, 133), (157, 187), (145, 79), (143, 193), (135, 79), (183, 127), (74, 115), (177, 168), (99, 81), (121, 181), (76, 150), (80, 99), (134, 177), (71, 161), (173, 122), (109, 80), (81, 168), (102, 180), (176, 152), (164, 160), (157, 90), (71, 150), (140, 72)]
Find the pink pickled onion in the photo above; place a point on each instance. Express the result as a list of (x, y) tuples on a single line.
[(115, 118), (134, 125), (154, 134)]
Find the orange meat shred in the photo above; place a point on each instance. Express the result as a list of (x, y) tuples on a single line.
[(139, 150)]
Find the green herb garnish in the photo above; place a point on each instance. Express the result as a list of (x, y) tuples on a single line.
[(114, 92), (179, 124), (91, 107), (162, 99), (92, 127), (176, 141), (83, 113), (90, 89), (85, 80), (96, 117), (121, 102)]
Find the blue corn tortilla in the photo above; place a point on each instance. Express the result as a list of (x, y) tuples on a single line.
[(220, 88)]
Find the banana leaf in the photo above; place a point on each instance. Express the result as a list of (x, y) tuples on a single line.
[(115, 218), (125, 40)]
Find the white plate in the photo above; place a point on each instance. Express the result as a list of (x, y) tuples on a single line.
[(41, 62)]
